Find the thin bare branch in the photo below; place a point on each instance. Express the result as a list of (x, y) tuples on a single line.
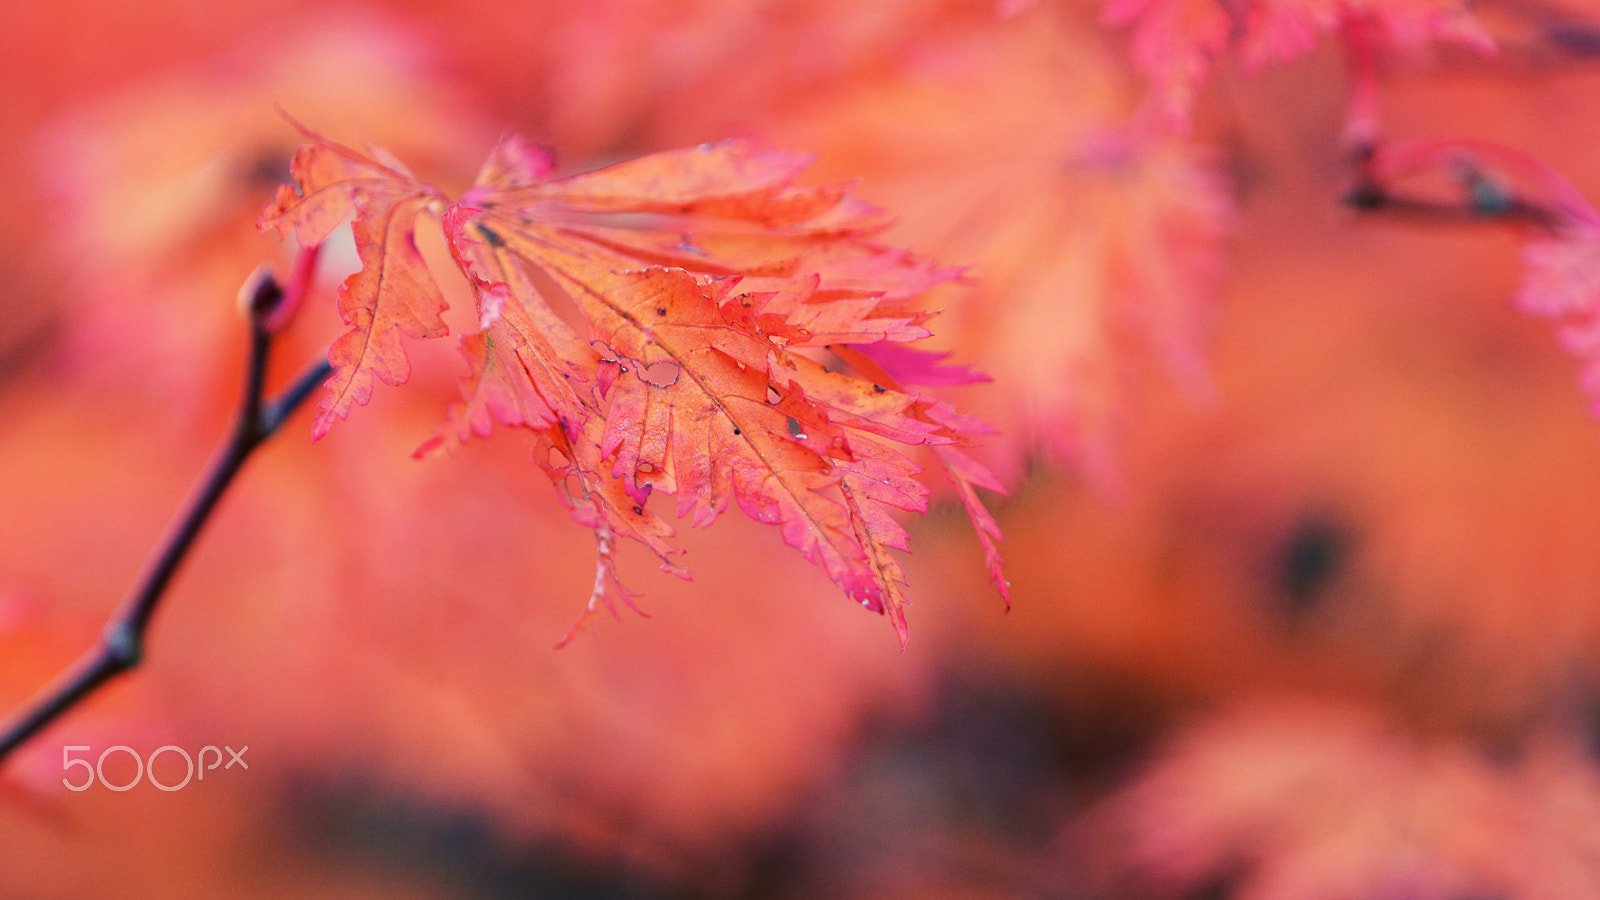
[(122, 645)]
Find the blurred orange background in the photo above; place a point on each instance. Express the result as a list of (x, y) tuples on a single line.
[(1302, 534)]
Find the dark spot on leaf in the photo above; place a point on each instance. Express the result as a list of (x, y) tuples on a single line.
[(1220, 886), (1575, 38), (491, 236), (878, 388), (268, 168), (1487, 198), (638, 510), (661, 311), (1366, 197), (1588, 714), (737, 431), (1312, 558)]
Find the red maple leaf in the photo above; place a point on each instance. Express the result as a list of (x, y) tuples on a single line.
[(1177, 43), (682, 323)]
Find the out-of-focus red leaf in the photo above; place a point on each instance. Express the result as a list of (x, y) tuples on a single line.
[(1093, 250), (1562, 282), (1309, 802), (1176, 43), (1485, 181)]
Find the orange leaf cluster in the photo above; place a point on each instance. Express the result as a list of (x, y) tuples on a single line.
[(689, 323)]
